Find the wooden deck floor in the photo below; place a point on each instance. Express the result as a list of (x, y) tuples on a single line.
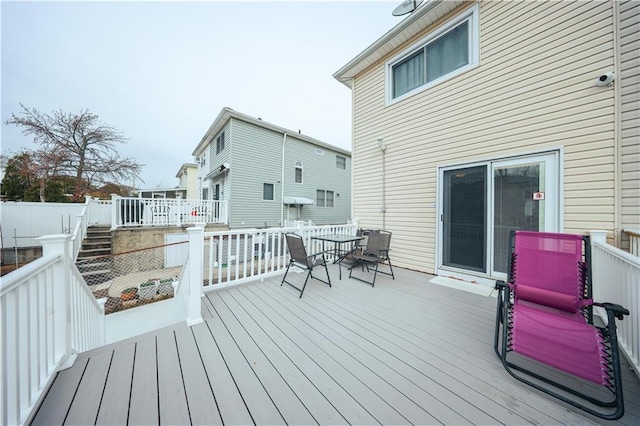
[(404, 352)]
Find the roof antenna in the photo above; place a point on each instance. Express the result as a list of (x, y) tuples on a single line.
[(407, 6)]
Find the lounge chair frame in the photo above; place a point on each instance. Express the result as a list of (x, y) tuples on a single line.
[(609, 409)]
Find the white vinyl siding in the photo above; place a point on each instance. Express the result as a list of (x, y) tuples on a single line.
[(533, 91), (629, 81)]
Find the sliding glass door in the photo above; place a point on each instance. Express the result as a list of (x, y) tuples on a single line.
[(464, 219), (482, 204)]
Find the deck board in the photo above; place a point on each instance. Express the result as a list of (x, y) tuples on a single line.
[(290, 406), (55, 406), (352, 411), (196, 383), (255, 396), (318, 407), (90, 389), (403, 352), (143, 406), (172, 399), (114, 407), (232, 407), (367, 406)]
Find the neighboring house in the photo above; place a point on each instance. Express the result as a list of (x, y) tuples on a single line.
[(491, 119), (270, 175), (188, 177), (186, 189), (175, 192)]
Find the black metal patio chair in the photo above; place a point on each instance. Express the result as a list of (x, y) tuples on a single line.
[(374, 253), (300, 258)]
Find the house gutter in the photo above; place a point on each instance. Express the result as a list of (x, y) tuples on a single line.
[(284, 142)]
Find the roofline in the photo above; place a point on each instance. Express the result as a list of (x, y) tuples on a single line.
[(184, 167), (424, 15), (228, 113)]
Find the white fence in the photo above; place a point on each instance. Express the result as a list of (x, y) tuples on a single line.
[(23, 222), (130, 211), (237, 256), (616, 278), (48, 314)]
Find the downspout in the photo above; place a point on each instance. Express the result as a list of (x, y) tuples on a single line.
[(617, 145), (284, 141), (383, 209)]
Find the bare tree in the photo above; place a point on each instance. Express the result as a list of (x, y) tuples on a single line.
[(79, 146)]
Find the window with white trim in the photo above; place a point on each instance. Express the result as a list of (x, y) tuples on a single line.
[(298, 172), (446, 52), (220, 143), (267, 192), (324, 198), (341, 162)]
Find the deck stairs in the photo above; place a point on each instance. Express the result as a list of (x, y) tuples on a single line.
[(94, 261)]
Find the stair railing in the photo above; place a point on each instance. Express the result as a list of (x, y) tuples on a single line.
[(48, 315), (80, 230)]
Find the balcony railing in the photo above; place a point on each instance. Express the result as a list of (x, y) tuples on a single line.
[(242, 255), (616, 277), (130, 211), (634, 241)]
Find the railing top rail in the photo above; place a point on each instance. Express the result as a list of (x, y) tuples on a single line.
[(274, 229), (13, 279), (633, 232), (620, 254), (85, 288)]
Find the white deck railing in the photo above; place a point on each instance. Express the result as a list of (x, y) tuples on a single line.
[(634, 241), (131, 211), (616, 278), (241, 255), (48, 314), (99, 211)]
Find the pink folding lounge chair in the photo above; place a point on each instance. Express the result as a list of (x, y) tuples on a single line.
[(544, 315)]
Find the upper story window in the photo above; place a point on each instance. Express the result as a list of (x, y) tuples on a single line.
[(341, 162), (298, 172), (445, 53), (267, 192), (220, 143)]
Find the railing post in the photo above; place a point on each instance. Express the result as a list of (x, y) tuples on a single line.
[(52, 245), (102, 338), (598, 237), (179, 212), (196, 267), (114, 211), (597, 292)]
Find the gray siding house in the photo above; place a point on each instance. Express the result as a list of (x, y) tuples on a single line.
[(270, 175)]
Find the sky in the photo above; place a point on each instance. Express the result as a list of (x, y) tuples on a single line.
[(160, 72)]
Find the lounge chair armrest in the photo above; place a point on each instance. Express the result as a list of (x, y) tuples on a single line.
[(617, 310), (500, 284)]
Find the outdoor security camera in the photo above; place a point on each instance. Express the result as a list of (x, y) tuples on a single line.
[(606, 79)]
